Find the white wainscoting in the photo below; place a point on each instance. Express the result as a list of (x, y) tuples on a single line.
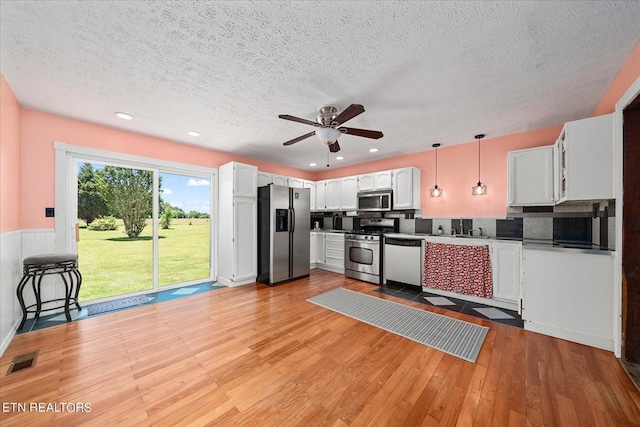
[(15, 246), (10, 273)]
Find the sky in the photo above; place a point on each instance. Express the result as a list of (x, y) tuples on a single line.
[(185, 192)]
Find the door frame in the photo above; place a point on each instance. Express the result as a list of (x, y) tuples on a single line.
[(627, 98), (66, 194)]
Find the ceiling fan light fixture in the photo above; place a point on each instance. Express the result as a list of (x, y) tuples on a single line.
[(479, 189), (328, 135)]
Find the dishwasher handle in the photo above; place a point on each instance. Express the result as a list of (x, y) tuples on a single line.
[(402, 242)]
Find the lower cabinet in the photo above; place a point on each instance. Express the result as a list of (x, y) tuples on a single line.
[(329, 251), (569, 295), (506, 259), (334, 252), (506, 272)]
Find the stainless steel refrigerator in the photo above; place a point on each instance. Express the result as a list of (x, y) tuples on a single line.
[(283, 233)]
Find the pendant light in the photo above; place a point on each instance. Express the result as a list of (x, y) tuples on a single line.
[(480, 189), (435, 190)]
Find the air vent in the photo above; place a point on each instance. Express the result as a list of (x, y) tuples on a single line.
[(23, 361)]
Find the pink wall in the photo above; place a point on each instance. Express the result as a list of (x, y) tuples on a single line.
[(458, 172), (629, 72), (10, 159), (40, 130)]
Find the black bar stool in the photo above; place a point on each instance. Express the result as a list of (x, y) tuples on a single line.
[(38, 266)]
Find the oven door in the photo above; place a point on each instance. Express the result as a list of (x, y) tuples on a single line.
[(362, 256)]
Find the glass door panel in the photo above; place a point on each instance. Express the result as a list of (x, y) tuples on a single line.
[(115, 248), (184, 229)]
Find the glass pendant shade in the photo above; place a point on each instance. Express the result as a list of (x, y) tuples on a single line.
[(479, 189), (328, 135), (435, 190)]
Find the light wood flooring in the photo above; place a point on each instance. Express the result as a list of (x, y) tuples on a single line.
[(255, 355)]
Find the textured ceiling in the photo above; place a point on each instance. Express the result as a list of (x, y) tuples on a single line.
[(425, 72)]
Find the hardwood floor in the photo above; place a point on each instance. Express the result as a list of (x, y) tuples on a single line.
[(255, 355)]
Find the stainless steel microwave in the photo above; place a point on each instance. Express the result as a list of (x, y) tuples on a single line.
[(374, 201)]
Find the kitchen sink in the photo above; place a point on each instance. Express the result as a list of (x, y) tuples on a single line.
[(467, 236)]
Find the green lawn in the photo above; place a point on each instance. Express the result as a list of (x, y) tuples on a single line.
[(112, 264)]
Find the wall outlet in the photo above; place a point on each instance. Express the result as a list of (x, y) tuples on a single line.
[(49, 212)]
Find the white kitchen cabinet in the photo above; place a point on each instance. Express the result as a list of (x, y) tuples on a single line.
[(349, 193), (531, 177), (585, 163), (264, 178), (237, 224), (313, 249), (406, 188), (375, 181), (320, 248), (334, 252), (296, 182), (569, 295), (243, 179), (321, 196), (311, 185), (332, 195), (280, 180), (506, 260)]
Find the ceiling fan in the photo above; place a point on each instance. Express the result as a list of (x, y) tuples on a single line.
[(328, 124)]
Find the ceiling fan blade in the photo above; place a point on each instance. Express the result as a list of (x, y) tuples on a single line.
[(373, 134), (349, 113), (334, 147), (300, 138), (299, 120)]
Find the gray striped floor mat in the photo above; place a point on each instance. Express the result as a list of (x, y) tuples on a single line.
[(456, 337)]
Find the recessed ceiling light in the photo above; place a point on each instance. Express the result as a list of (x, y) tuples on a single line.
[(124, 116), (373, 150), (339, 158), (193, 133), (312, 164)]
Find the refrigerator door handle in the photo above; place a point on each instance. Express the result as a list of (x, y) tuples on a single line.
[(293, 219)]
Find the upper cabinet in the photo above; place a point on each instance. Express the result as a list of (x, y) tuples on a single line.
[(321, 196), (332, 195), (280, 180), (531, 177), (375, 181), (264, 179), (312, 193), (245, 182), (406, 188), (349, 193), (296, 182), (585, 160)]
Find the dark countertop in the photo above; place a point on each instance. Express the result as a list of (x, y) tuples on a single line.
[(538, 244)]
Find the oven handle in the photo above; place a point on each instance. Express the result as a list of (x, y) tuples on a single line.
[(362, 244)]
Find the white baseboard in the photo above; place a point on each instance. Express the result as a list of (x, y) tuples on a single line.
[(580, 338), (233, 283)]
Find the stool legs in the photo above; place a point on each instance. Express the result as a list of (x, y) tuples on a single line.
[(71, 278)]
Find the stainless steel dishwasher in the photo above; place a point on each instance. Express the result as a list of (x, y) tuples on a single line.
[(403, 260)]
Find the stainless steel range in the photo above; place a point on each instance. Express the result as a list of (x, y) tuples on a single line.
[(363, 249)]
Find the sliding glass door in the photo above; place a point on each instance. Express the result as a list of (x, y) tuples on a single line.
[(140, 228)]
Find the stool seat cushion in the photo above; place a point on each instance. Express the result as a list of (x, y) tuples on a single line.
[(49, 259)]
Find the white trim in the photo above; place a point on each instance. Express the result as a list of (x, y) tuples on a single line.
[(132, 160), (632, 93), (66, 192), (573, 336), (231, 284)]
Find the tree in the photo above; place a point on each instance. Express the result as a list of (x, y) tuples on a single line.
[(91, 203), (129, 192)]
